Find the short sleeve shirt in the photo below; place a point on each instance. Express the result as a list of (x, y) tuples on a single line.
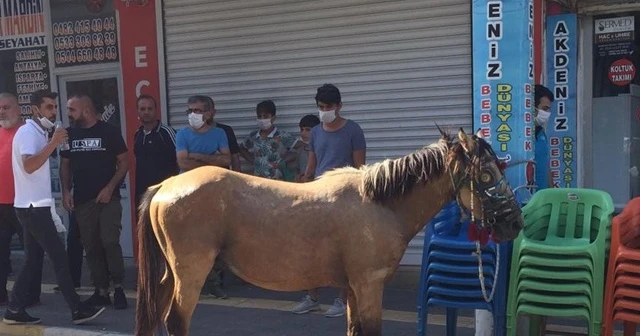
[(35, 188), (335, 149), (93, 153), (206, 143), (269, 153)]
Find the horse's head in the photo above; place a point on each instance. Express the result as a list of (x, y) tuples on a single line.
[(480, 186)]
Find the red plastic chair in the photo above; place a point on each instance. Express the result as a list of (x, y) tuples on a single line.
[(622, 289)]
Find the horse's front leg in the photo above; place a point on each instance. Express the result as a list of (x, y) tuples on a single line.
[(353, 319), (369, 301)]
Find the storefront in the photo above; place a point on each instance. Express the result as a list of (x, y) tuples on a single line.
[(401, 66)]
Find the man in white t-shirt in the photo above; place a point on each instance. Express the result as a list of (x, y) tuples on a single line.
[(30, 161)]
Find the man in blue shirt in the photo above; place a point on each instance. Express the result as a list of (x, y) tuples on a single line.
[(543, 97), (201, 144)]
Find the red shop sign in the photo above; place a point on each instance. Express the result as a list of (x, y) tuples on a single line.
[(622, 72)]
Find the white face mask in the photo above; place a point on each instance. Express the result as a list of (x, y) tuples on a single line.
[(264, 124), (46, 123), (327, 116), (2, 123), (196, 120), (542, 118)]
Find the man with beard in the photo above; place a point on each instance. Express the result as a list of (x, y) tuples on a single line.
[(95, 165), (33, 201), (10, 122)]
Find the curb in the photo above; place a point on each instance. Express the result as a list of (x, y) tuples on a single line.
[(32, 330)]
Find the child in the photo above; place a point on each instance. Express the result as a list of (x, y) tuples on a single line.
[(300, 148), (268, 147)]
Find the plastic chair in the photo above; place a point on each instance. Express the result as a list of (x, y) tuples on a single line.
[(558, 259), (623, 275), (449, 275)]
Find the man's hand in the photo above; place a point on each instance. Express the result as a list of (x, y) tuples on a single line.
[(59, 136), (67, 201), (105, 195)]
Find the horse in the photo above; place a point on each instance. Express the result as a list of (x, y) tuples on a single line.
[(348, 228)]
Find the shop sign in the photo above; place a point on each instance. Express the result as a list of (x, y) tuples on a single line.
[(503, 80), (562, 56), (24, 67), (622, 72), (140, 67), (85, 40)]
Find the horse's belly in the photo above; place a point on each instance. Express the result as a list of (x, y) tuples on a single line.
[(288, 272)]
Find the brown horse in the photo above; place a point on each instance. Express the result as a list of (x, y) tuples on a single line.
[(347, 229)]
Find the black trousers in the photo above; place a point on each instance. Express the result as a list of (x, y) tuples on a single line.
[(40, 236), (75, 251), (9, 225)]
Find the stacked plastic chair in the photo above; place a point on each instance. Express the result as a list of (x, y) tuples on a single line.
[(622, 290), (450, 277), (558, 261)]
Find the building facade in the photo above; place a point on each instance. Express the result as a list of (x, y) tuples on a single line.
[(402, 66)]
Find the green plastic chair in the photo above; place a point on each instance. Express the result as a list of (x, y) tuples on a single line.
[(564, 237)]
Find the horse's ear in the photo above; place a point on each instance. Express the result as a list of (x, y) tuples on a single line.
[(443, 133), (479, 134), (466, 141)]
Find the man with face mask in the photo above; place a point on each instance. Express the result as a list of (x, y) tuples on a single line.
[(95, 165), (33, 200), (10, 122), (543, 97), (337, 142), (267, 147), (201, 144)]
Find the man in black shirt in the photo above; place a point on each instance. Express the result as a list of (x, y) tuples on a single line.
[(154, 147), (95, 165)]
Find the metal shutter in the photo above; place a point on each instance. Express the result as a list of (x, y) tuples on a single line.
[(400, 65)]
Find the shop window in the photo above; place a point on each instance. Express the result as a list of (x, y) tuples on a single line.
[(615, 134)]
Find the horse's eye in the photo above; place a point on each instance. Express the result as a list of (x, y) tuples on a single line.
[(485, 177)]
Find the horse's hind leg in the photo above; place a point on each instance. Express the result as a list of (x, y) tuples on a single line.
[(353, 319), (369, 301), (189, 280)]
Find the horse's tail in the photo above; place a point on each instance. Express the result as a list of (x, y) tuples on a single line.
[(150, 259)]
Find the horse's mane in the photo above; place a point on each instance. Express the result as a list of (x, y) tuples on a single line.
[(393, 178)]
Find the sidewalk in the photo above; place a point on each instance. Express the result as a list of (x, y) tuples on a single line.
[(248, 311)]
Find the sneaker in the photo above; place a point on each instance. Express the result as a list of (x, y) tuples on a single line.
[(217, 292), (119, 299), (336, 310), (19, 317), (86, 313), (306, 305), (97, 300)]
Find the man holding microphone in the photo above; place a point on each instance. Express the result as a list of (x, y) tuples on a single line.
[(33, 200)]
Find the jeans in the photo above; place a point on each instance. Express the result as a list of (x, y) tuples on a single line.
[(40, 236)]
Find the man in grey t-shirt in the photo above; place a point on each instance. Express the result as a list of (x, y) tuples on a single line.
[(337, 142)]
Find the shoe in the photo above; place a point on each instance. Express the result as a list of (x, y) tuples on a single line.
[(86, 313), (217, 292), (19, 317), (336, 310), (119, 299), (97, 300), (306, 305)]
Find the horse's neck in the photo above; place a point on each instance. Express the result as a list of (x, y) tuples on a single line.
[(422, 204)]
